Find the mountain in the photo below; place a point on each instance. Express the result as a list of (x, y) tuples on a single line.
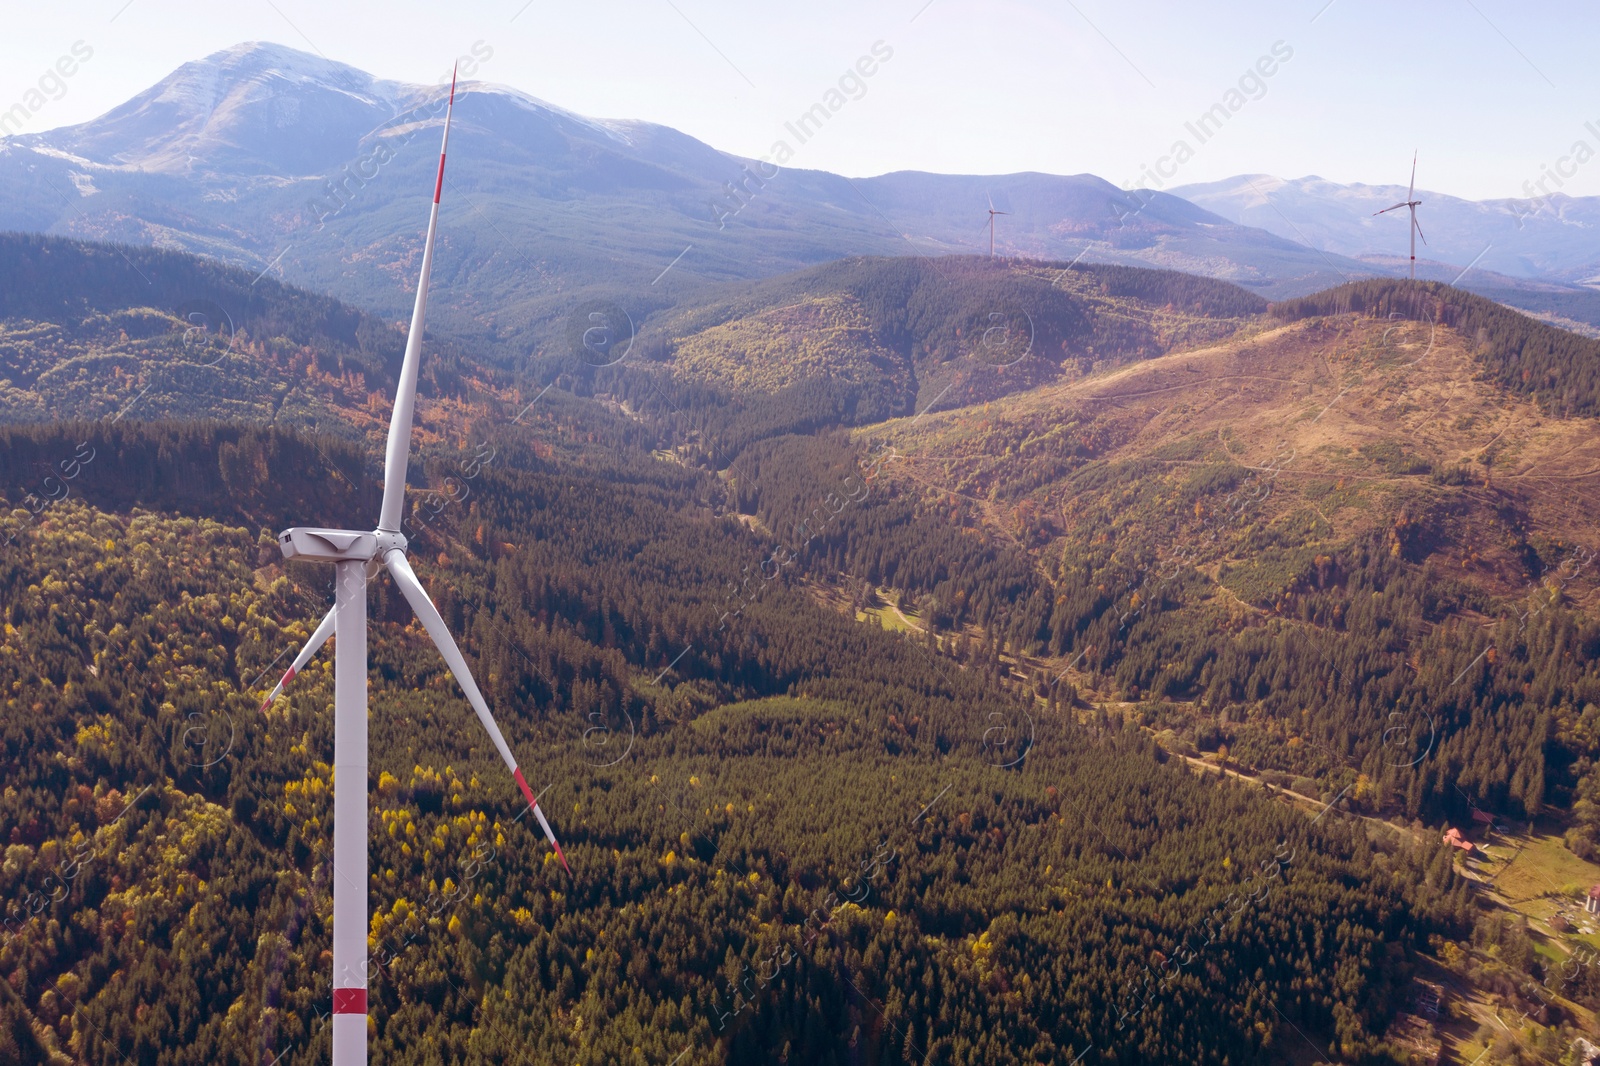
[(1349, 554), (1062, 218), (314, 172), (1549, 237), (1537, 253), (297, 167), (786, 823), (265, 110)]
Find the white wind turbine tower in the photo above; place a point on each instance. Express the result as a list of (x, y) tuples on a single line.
[(357, 556), (992, 213), (1411, 202)]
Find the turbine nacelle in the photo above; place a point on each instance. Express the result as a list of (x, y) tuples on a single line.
[(337, 545)]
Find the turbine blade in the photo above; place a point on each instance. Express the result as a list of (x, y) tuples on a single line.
[(1386, 210), (990, 199), (318, 639), (433, 622), (398, 448), (1417, 224), (1413, 187)]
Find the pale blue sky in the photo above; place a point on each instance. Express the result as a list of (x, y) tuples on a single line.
[(1487, 90)]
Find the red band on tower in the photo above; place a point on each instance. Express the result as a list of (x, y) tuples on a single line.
[(349, 1001)]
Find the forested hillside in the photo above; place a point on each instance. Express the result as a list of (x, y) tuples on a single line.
[(1300, 545), (1352, 556), (861, 340), (869, 741), (96, 331), (804, 835)]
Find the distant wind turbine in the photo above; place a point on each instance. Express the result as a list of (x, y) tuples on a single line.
[(992, 213), (1411, 202), (357, 556)]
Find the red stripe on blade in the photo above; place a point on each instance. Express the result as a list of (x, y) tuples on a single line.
[(526, 791), (534, 803), (438, 186), (349, 1001)]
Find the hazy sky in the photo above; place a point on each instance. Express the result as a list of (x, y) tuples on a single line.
[(1487, 90)]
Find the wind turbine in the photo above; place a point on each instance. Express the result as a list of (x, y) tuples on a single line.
[(1411, 202), (357, 556), (992, 213)]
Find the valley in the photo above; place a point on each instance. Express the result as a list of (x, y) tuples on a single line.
[(822, 569)]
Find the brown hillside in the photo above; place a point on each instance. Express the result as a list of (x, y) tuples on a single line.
[(1363, 422)]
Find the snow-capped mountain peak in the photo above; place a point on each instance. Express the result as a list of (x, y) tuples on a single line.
[(256, 103)]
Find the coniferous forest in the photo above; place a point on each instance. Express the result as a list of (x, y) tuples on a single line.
[(850, 767)]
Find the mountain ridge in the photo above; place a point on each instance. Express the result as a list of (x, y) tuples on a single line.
[(315, 173), (1544, 237), (543, 207)]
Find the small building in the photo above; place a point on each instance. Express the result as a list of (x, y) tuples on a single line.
[(1454, 838), (1592, 904)]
